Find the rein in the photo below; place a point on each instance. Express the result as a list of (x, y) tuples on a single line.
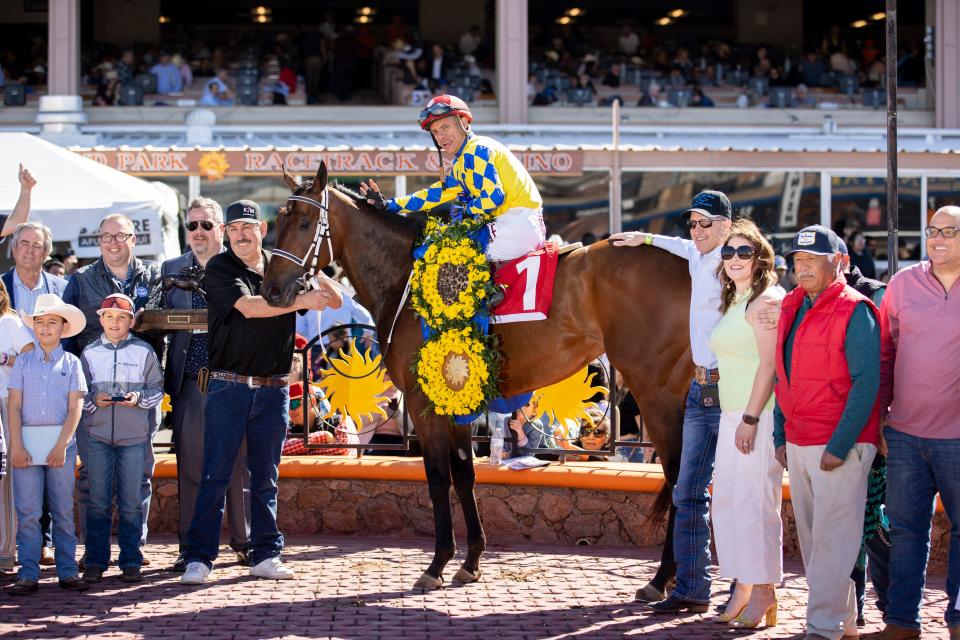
[(321, 233)]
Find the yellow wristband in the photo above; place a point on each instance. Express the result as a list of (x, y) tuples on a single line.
[(648, 239)]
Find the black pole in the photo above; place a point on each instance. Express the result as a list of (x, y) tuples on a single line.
[(892, 195)]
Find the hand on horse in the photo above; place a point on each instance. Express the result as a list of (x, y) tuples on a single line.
[(320, 299), (770, 314), (371, 192), (631, 238)]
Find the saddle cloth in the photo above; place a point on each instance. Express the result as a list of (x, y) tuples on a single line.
[(528, 286)]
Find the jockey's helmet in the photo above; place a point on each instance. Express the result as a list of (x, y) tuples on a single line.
[(442, 106)]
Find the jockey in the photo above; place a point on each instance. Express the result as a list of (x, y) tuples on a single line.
[(486, 177)]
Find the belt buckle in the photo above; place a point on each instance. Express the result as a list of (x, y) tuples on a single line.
[(250, 383)]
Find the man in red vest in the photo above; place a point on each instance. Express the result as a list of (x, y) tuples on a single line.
[(826, 423)]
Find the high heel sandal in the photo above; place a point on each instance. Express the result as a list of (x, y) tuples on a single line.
[(727, 618), (769, 616)]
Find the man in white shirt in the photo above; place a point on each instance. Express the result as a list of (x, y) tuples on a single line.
[(629, 41), (708, 219)]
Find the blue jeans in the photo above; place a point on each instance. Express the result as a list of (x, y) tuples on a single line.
[(233, 411), (119, 470), (691, 534), (917, 469), (29, 486)]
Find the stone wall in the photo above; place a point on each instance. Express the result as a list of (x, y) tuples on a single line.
[(510, 513)]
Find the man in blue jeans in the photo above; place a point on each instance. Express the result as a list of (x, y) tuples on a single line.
[(919, 370), (250, 346), (708, 219)]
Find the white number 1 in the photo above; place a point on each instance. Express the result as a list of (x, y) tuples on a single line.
[(532, 266)]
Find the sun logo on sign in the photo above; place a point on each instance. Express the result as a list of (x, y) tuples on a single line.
[(569, 399), (354, 384), (213, 165)]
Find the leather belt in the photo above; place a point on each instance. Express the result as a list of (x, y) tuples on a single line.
[(251, 381), (703, 375)]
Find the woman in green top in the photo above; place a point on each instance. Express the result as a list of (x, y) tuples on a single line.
[(747, 479)]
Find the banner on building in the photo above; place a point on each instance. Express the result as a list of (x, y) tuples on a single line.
[(215, 164)]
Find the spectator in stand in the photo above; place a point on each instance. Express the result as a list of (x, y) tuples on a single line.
[(216, 92), (15, 340), (919, 372), (108, 91), (840, 63), (860, 256), (745, 98), (287, 75), (313, 56), (612, 77), (650, 97), (438, 67), (344, 63), (748, 477), (700, 99), (802, 97), (125, 67), (46, 389), (812, 69), (126, 382), (471, 41), (186, 73), (629, 40), (168, 75)]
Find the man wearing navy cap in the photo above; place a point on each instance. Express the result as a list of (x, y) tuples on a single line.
[(250, 352), (826, 423), (708, 220)]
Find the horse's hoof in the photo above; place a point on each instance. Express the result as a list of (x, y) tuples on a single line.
[(650, 593), (428, 583), (465, 577)]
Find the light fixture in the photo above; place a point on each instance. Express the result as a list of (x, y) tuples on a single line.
[(677, 13), (362, 19), (859, 24), (564, 20), (574, 12), (163, 20), (366, 11), (880, 15), (262, 19), (663, 22), (261, 11)]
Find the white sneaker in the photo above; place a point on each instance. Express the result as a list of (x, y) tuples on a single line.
[(273, 569), (196, 573)]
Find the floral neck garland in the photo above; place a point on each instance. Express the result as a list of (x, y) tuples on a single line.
[(457, 365)]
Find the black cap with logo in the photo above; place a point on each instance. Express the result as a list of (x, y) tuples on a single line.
[(710, 203), (243, 211)]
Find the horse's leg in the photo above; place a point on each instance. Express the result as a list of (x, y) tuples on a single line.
[(432, 432), (461, 467)]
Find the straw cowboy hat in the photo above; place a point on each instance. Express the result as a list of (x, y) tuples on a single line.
[(51, 304)]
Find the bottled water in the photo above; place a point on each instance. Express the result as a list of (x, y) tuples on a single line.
[(496, 444)]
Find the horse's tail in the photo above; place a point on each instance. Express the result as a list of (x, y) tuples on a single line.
[(661, 505)]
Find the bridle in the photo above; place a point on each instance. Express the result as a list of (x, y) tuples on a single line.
[(321, 233)]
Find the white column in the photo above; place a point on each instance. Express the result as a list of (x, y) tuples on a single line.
[(511, 60), (826, 198), (63, 51), (947, 57)]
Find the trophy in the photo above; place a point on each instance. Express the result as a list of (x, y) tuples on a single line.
[(155, 318), (117, 393)]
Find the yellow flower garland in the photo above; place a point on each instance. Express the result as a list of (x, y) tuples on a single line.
[(426, 298), (453, 372)]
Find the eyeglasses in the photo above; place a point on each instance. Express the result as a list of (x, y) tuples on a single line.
[(205, 224), (704, 224), (107, 238), (438, 109), (586, 432), (744, 252), (946, 232)]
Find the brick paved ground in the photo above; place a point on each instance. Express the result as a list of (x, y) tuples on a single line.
[(360, 588)]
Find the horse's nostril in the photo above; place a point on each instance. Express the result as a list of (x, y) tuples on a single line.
[(273, 294)]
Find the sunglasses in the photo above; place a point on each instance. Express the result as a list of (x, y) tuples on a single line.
[(704, 224), (438, 109), (116, 303), (744, 252), (205, 224), (946, 232), (586, 432)]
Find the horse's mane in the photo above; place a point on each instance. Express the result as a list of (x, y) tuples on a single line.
[(389, 221)]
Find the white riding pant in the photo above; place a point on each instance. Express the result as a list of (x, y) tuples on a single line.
[(516, 233)]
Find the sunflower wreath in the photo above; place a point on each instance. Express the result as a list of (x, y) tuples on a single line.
[(456, 370), (451, 282)]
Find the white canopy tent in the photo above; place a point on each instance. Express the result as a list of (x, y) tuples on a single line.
[(74, 193)]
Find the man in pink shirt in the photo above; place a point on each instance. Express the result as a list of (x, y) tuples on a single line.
[(920, 374)]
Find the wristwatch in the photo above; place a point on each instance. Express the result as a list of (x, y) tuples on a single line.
[(749, 419)]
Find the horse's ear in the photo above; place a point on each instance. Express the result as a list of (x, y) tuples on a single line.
[(320, 181), (289, 179)]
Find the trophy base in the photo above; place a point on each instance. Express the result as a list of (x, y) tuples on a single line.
[(171, 320)]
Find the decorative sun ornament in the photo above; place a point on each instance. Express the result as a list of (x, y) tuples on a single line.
[(213, 165), (354, 384), (569, 399)]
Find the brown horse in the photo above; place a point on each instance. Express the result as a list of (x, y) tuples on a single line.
[(631, 303)]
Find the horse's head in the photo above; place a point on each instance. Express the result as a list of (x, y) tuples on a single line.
[(303, 239)]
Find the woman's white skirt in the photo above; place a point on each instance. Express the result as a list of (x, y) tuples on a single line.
[(747, 492)]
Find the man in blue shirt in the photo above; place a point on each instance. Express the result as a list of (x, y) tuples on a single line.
[(168, 76)]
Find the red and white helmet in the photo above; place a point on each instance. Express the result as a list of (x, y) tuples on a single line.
[(441, 107)]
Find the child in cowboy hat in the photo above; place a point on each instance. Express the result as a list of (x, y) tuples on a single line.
[(46, 389)]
